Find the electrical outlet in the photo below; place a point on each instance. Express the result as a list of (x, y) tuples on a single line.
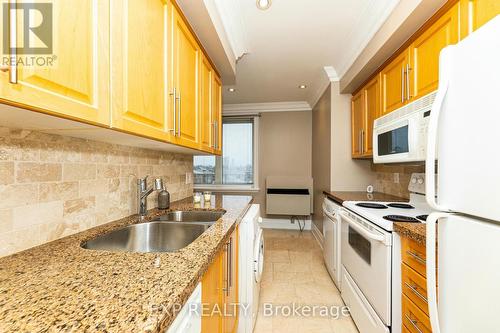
[(396, 177), (189, 177)]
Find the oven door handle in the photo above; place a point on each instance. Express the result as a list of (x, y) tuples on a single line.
[(363, 231)]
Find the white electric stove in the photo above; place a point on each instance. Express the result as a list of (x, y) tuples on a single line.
[(371, 257), (383, 214)]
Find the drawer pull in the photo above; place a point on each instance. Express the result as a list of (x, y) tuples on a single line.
[(416, 292), (416, 257), (414, 323)]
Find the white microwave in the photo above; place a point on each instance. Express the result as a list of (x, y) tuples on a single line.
[(401, 136)]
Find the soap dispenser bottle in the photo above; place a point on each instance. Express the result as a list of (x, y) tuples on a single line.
[(163, 199)]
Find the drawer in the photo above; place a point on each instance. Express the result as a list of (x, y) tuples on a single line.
[(413, 254), (414, 287), (415, 320)]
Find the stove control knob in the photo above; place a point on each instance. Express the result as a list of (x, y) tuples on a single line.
[(420, 180), (414, 180)]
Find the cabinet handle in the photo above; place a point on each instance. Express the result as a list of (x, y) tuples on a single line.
[(230, 262), (416, 292), (226, 266), (408, 69), (402, 84), (416, 257), (13, 42), (179, 115), (174, 94), (362, 141), (414, 323), (216, 134)]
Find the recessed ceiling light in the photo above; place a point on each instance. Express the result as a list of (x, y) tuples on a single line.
[(302, 86), (263, 4), (231, 89)]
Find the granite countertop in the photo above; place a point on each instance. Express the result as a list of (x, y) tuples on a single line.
[(61, 287), (415, 231), (341, 196)]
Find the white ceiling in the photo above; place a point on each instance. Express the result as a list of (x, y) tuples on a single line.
[(290, 43)]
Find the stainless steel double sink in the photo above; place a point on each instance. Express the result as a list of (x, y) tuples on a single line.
[(167, 233)]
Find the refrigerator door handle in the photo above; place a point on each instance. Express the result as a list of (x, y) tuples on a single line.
[(430, 160), (430, 246)]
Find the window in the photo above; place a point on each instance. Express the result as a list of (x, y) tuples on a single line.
[(236, 166)]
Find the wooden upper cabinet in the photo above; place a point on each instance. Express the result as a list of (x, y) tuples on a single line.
[(357, 115), (140, 45), (206, 105), (76, 86), (217, 114), (424, 53), (475, 13), (372, 104), (393, 80), (186, 58)]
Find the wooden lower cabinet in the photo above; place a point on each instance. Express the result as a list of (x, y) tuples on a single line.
[(415, 319), (413, 254), (211, 296), (231, 295), (220, 290), (415, 308)]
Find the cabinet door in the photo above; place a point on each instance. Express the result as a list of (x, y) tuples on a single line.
[(217, 114), (372, 111), (425, 50), (76, 85), (231, 295), (206, 105), (357, 114), (393, 84), (139, 66), (186, 57), (475, 13), (212, 297)]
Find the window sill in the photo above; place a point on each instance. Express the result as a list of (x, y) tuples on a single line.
[(225, 188)]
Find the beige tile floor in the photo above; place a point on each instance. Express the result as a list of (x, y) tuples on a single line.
[(294, 272)]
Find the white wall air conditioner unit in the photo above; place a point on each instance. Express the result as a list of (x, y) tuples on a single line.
[(289, 196)]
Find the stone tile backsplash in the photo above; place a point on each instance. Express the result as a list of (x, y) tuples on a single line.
[(52, 186), (384, 180)]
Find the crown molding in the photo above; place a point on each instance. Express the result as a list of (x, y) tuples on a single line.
[(331, 73), (245, 108)]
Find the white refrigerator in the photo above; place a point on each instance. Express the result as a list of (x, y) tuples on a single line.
[(464, 138)]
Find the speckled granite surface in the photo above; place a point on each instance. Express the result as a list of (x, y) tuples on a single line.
[(61, 287), (341, 196), (415, 231)]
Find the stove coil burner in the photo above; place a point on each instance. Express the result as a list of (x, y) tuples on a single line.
[(401, 218), (422, 217), (371, 205), (400, 205)]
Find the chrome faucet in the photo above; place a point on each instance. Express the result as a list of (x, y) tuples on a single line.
[(143, 192)]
